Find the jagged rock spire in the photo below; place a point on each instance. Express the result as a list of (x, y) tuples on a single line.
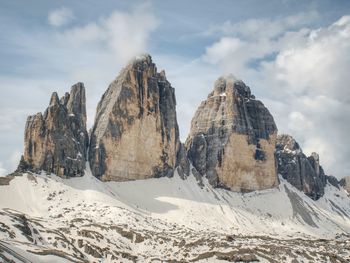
[(54, 99), (304, 173), (57, 141)]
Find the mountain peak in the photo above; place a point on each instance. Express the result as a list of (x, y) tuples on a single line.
[(229, 84), (142, 60), (229, 78), (135, 135), (232, 138), (56, 142), (54, 100)]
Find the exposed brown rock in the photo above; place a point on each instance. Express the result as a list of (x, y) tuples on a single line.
[(135, 135), (232, 138), (57, 141)]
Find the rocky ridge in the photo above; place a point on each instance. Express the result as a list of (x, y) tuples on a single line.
[(305, 173), (57, 141), (232, 141)]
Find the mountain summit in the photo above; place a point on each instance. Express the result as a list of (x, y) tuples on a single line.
[(233, 137), (136, 134)]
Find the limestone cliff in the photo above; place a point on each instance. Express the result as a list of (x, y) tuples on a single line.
[(305, 173), (232, 138), (136, 135), (57, 140)]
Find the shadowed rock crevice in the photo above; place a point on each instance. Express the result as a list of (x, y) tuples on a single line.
[(57, 141)]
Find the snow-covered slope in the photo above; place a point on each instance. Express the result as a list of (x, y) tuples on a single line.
[(48, 219)]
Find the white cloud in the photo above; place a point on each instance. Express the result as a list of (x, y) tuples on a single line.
[(226, 46), (128, 33), (60, 16), (320, 64), (298, 121), (234, 55), (266, 27), (123, 34), (301, 74)]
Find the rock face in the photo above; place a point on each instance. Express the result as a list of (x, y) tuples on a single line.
[(333, 181), (57, 140), (232, 139), (136, 135), (345, 183), (305, 173)]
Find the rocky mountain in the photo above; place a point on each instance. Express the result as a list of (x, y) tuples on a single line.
[(57, 141), (232, 139), (305, 173), (234, 192), (136, 135)]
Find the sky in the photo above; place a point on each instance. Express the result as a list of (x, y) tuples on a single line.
[(294, 55)]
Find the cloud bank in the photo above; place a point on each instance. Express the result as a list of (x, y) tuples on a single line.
[(302, 76), (123, 34), (60, 16)]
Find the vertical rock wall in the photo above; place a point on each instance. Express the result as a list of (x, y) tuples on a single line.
[(232, 139), (135, 135)]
